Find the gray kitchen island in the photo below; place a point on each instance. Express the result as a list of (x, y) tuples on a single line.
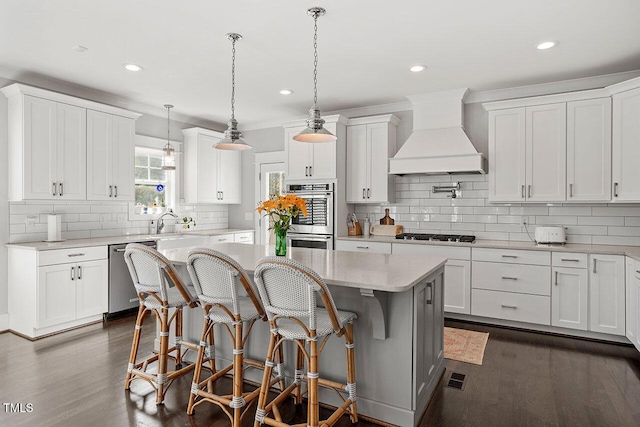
[(398, 334)]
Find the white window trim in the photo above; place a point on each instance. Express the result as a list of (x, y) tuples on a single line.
[(143, 141)]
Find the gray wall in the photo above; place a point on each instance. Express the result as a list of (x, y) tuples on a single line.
[(4, 204)]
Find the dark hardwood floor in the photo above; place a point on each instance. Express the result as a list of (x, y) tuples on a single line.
[(527, 379)]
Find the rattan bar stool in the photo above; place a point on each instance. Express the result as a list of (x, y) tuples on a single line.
[(218, 279), (159, 290), (288, 291)]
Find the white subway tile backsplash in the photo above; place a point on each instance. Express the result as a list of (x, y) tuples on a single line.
[(569, 210), (480, 218), (76, 208), (17, 228), (427, 209), (467, 226), (615, 211), (529, 210), (506, 228), (580, 239), (435, 226), (616, 240), (632, 221), (457, 210), (601, 220), (76, 234), (557, 220), (491, 210), (446, 218), (587, 229), (106, 233), (624, 231), (509, 219), (30, 209)]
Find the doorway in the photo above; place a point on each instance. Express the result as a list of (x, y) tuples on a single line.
[(270, 169)]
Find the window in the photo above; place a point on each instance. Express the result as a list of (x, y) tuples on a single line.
[(153, 185)]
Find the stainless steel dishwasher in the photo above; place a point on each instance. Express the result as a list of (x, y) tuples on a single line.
[(122, 294)]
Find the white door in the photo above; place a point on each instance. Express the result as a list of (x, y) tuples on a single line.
[(546, 148), (207, 176), (298, 155), (507, 155), (72, 152), (56, 295), (229, 165), (271, 183), (99, 156), (92, 289), (123, 164), (626, 146), (377, 163), (40, 149), (457, 286), (357, 163), (589, 150), (606, 294), (569, 297)]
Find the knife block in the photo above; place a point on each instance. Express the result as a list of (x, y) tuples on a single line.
[(356, 230)]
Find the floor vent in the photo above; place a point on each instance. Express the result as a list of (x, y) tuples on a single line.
[(456, 381)]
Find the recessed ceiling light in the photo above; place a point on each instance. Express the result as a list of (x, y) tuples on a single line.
[(79, 48), (286, 92), (546, 45), (132, 67), (418, 68)]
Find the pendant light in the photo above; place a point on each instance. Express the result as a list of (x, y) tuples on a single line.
[(314, 131), (169, 154), (232, 136)]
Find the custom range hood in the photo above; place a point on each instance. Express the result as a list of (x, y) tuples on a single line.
[(438, 143)]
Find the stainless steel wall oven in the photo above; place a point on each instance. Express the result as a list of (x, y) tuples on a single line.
[(315, 230)]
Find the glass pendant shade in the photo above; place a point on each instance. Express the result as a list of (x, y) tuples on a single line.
[(232, 136), (168, 153), (315, 132)]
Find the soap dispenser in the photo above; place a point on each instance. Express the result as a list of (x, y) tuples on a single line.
[(152, 227)]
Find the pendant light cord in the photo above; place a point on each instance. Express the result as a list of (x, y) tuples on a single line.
[(233, 79), (315, 60), (168, 125)]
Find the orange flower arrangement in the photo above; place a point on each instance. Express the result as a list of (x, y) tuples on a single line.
[(281, 209)]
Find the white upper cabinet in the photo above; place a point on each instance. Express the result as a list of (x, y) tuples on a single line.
[(527, 154), (551, 148), (589, 150), (210, 175), (314, 161), (546, 150), (370, 143), (47, 146), (49, 151), (507, 155), (626, 146), (110, 157)]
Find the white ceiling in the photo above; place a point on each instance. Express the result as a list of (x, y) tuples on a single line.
[(365, 49)]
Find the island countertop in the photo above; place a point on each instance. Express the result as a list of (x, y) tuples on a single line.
[(379, 272)]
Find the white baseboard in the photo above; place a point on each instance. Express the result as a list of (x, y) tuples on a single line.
[(4, 322)]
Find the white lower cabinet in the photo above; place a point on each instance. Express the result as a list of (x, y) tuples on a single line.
[(244, 237), (363, 246), (222, 238), (511, 306), (569, 298), (607, 294), (633, 302), (50, 291), (457, 272)]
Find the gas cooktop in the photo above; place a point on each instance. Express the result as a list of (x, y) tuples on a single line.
[(437, 237)]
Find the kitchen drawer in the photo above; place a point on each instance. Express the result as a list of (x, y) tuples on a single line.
[(222, 238), (512, 256), (451, 252), (243, 237), (569, 259), (180, 241), (511, 306), (524, 279), (62, 256), (363, 246)]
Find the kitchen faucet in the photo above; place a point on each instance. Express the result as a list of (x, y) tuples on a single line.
[(160, 223)]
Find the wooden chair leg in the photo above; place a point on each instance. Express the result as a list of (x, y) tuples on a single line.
[(161, 377), (134, 345), (266, 380), (211, 354), (198, 369), (299, 373), (237, 401), (313, 411), (351, 371), (178, 332)]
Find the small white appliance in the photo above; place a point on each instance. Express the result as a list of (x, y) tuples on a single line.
[(550, 235)]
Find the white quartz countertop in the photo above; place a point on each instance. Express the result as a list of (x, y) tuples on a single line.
[(631, 251), (116, 240), (380, 272)]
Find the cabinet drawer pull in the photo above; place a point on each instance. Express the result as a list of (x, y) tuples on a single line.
[(73, 275), (222, 240), (115, 187), (509, 278), (529, 191), (364, 193), (615, 189), (594, 265), (556, 281), (73, 255), (79, 272), (523, 191), (368, 193), (310, 170), (60, 192), (509, 306), (243, 237), (569, 260), (362, 247), (111, 191), (509, 256), (429, 299), (570, 190)]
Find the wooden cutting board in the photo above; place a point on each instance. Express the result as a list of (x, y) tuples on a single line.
[(386, 230)]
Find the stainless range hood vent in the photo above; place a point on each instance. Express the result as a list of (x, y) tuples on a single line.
[(438, 143)]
